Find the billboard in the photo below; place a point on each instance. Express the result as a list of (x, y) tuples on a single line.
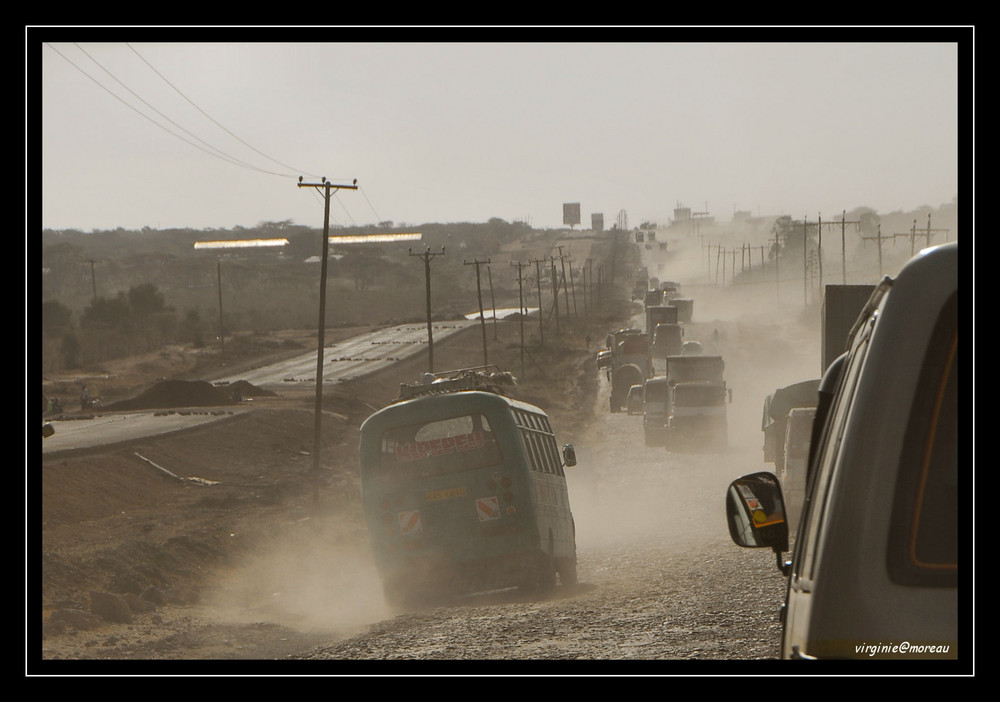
[(571, 213), (597, 221)]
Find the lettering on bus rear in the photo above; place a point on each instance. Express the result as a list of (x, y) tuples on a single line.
[(417, 450), (438, 447)]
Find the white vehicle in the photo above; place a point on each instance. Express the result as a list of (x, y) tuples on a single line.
[(874, 571), (633, 403), (798, 435), (655, 399)]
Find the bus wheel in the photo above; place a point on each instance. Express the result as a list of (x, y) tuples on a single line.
[(567, 571), (540, 577)]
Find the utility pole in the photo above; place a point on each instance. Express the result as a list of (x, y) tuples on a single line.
[(777, 277), (819, 250), (879, 235), (590, 280), (929, 230), (805, 282), (327, 189), (555, 291), (479, 292), (843, 247), (222, 343), (520, 298), (493, 301), (562, 261), (538, 282), (572, 286), (427, 256), (93, 278)]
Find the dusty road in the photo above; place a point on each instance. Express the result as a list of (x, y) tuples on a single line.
[(277, 583), (659, 579), (660, 583)]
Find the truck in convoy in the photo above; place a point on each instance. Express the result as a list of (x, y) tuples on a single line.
[(630, 364), (787, 427), (874, 571), (798, 437), (774, 420), (696, 403), (667, 340), (670, 289), (633, 402), (685, 308), (659, 314), (655, 395), (653, 298)]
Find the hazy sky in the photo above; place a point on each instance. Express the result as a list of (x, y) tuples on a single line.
[(214, 135)]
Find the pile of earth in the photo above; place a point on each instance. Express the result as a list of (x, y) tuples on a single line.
[(189, 393)]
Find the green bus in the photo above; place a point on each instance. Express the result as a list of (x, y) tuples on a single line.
[(465, 492)]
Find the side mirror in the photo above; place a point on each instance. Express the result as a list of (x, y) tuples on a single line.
[(569, 456), (755, 513)]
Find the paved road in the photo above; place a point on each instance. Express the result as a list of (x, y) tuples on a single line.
[(351, 358), (102, 429), (344, 360)]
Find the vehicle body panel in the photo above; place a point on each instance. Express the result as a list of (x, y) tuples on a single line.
[(874, 572), (845, 549)]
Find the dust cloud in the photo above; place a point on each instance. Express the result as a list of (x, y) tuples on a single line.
[(317, 575), (623, 492)]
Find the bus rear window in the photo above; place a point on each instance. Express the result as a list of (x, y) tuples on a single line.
[(439, 447)]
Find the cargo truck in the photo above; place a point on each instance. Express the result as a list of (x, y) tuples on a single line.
[(798, 436), (696, 403), (685, 308), (659, 314), (777, 405), (630, 364), (667, 340)]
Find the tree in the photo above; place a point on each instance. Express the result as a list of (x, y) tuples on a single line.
[(70, 349), (191, 328), (56, 317), (111, 313), (145, 300), (364, 266)]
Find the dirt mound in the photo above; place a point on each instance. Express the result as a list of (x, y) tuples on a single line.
[(189, 393)]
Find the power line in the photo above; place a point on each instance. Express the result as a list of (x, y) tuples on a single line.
[(211, 150), (207, 148), (209, 117)]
